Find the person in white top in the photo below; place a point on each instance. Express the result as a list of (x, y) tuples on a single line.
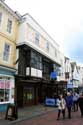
[(61, 107)]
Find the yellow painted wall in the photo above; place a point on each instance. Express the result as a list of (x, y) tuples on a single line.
[(10, 38), (12, 56)]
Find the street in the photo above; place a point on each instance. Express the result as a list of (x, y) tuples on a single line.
[(50, 119)]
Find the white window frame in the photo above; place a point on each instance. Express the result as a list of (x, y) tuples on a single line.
[(37, 38), (0, 18), (47, 46), (7, 61), (10, 89), (9, 27)]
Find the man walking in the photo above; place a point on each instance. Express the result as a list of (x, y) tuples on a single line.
[(69, 103)]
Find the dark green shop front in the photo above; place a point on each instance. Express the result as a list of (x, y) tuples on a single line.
[(34, 91)]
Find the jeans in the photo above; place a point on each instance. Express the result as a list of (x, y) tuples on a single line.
[(61, 111)]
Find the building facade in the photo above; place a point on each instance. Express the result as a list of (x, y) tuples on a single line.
[(80, 73), (38, 58), (8, 35), (75, 75)]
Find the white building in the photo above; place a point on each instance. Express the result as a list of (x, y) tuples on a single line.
[(38, 58), (80, 72), (75, 75), (62, 68)]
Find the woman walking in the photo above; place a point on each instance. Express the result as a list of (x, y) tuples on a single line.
[(61, 107)]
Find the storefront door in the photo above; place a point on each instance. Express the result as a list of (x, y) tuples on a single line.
[(28, 96)]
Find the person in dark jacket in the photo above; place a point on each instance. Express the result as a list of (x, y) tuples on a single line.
[(80, 102), (69, 103)]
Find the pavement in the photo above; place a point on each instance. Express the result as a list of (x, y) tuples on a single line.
[(41, 115), (50, 117), (26, 113)]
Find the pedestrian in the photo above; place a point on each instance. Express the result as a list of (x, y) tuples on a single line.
[(80, 102), (75, 101), (61, 107), (69, 103)]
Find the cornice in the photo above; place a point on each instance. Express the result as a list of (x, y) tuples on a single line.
[(5, 36)]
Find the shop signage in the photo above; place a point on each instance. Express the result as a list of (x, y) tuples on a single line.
[(11, 112), (70, 86), (50, 102), (53, 75)]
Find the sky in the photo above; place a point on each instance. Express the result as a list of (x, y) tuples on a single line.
[(62, 19)]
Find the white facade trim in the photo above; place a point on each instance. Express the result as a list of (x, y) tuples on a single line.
[(37, 27), (30, 44)]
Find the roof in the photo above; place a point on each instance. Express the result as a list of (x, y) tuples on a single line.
[(15, 14)]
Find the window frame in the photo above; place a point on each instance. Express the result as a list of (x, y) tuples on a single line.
[(47, 46), (36, 60), (37, 38), (5, 53), (4, 91), (9, 26), (0, 18)]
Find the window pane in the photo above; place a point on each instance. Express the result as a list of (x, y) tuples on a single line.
[(9, 25), (36, 60), (0, 17), (6, 52), (4, 90), (47, 45), (37, 36)]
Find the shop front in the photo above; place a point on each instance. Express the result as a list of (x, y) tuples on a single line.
[(26, 91), (6, 88)]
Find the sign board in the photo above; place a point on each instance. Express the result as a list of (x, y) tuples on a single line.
[(50, 102), (11, 112), (53, 75), (70, 86)]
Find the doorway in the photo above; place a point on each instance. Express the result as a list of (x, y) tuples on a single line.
[(28, 96)]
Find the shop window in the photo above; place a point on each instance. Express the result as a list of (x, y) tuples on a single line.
[(6, 52), (9, 26), (4, 89)]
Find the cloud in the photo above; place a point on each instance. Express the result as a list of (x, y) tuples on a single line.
[(62, 19), (74, 46)]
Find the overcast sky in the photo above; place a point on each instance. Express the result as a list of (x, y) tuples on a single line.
[(62, 19)]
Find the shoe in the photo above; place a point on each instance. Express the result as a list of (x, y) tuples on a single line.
[(57, 119)]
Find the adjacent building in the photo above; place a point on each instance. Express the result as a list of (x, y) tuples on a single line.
[(80, 73), (8, 35), (75, 75)]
